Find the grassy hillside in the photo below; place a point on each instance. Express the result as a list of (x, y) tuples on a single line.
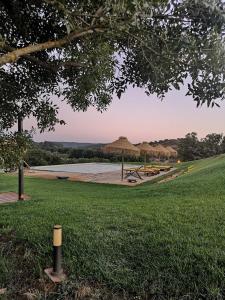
[(155, 241)]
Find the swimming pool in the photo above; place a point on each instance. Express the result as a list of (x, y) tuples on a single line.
[(85, 168)]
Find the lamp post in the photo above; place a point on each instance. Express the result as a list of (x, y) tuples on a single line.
[(20, 171), (122, 171)]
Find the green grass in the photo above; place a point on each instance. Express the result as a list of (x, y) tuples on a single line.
[(156, 241)]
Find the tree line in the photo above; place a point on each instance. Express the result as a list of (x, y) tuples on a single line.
[(48, 153), (189, 148), (192, 148)]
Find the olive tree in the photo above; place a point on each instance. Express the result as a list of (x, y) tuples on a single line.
[(13, 147), (85, 51)]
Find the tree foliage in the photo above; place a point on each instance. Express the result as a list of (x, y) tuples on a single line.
[(84, 51), (13, 147), (191, 148)]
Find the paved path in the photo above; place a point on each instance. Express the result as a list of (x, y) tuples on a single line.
[(9, 197)]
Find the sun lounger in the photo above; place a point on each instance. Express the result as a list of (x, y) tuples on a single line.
[(161, 168), (132, 172), (149, 171), (135, 172)]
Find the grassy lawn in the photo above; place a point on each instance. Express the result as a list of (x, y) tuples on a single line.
[(155, 241)]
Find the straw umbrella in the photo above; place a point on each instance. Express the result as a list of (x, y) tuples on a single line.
[(122, 146), (155, 151), (161, 151), (146, 149), (173, 152)]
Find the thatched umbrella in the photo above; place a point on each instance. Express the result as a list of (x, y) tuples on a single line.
[(173, 152), (146, 149), (161, 151), (122, 146)]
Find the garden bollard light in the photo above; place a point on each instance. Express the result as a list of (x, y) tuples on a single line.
[(56, 273), (57, 250)]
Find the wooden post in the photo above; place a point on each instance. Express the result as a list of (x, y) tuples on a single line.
[(20, 171)]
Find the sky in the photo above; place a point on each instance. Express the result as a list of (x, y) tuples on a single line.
[(138, 117)]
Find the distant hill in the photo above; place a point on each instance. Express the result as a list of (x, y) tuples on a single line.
[(167, 142), (77, 145), (74, 145)]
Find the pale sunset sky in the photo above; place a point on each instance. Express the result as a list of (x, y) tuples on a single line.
[(138, 117)]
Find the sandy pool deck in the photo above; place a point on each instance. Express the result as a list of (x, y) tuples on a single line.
[(106, 177)]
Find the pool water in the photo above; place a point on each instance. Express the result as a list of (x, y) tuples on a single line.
[(93, 168)]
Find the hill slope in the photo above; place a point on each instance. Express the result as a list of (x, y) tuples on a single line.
[(161, 241)]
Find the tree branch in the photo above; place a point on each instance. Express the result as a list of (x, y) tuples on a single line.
[(97, 15), (51, 65), (70, 64), (142, 43), (58, 5), (12, 56), (44, 64)]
